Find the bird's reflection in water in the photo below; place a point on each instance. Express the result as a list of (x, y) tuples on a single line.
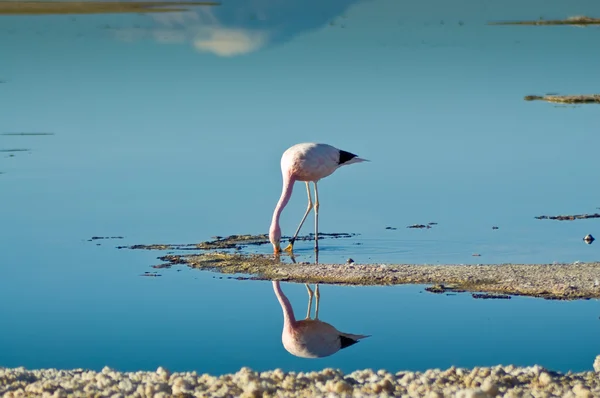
[(310, 338)]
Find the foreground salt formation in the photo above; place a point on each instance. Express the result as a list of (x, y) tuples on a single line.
[(503, 381)]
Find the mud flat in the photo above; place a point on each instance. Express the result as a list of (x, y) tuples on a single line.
[(234, 242), (569, 217), (579, 20), (93, 7), (566, 281), (507, 381), (551, 281), (26, 133), (566, 99)]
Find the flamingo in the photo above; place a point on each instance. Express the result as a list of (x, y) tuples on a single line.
[(306, 162), (311, 338)]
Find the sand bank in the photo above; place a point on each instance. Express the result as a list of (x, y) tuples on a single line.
[(551, 281)]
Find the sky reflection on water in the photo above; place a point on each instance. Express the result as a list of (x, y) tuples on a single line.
[(168, 128), (189, 321)]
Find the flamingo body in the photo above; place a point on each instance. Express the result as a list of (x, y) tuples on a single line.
[(312, 162), (310, 338), (308, 162)]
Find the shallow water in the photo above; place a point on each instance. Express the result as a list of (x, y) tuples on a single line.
[(168, 128), (192, 320)]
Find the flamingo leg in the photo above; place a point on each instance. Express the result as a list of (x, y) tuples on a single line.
[(318, 296), (316, 217), (310, 300), (290, 247)]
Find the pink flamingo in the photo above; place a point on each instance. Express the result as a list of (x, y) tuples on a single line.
[(311, 338), (306, 162)]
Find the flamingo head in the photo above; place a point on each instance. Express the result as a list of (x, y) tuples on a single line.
[(274, 237)]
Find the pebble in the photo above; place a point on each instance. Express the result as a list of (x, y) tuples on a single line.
[(597, 364), (480, 382), (489, 387), (545, 379)]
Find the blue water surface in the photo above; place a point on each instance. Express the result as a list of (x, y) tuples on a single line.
[(168, 128)]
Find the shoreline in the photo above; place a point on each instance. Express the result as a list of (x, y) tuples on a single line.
[(549, 281), (556, 281), (507, 381)]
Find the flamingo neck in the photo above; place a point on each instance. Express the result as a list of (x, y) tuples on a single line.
[(289, 320), (286, 193)]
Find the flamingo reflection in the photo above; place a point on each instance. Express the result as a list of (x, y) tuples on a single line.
[(310, 338)]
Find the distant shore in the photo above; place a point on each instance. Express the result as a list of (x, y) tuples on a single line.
[(507, 381), (578, 20), (566, 99), (95, 7)]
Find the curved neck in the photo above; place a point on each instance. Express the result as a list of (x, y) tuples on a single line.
[(289, 320), (286, 193)]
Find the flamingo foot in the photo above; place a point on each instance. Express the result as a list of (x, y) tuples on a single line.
[(289, 248)]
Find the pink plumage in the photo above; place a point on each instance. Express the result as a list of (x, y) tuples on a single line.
[(310, 338), (308, 162)]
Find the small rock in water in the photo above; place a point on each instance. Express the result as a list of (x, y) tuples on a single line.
[(490, 296), (349, 261), (494, 227), (419, 226), (589, 239)]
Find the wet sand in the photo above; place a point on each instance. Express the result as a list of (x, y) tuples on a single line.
[(507, 381), (233, 242), (551, 281)]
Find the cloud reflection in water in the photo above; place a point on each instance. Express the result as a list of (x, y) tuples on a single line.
[(237, 29)]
